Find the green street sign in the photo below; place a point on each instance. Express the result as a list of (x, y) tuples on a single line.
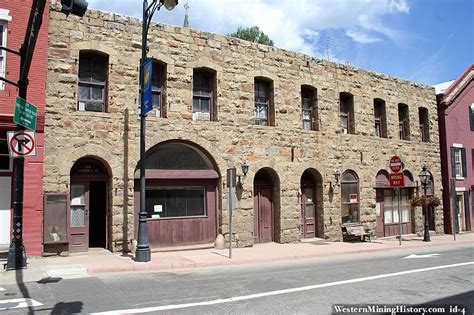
[(25, 113)]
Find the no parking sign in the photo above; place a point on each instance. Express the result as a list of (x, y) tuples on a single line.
[(21, 143)]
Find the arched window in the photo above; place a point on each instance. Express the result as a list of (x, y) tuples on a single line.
[(204, 86), (349, 197), (309, 113), (177, 156), (264, 104), (92, 81)]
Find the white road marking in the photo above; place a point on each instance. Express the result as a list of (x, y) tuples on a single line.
[(6, 305), (421, 256), (278, 292), (2, 289)]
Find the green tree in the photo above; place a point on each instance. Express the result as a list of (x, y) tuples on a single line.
[(252, 34)]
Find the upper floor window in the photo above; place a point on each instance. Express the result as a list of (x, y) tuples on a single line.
[(458, 162), (3, 43), (403, 122), (309, 115), (380, 120), (424, 124), (158, 81), (203, 95), (264, 113), (6, 162), (471, 116), (346, 112), (349, 197), (93, 70)]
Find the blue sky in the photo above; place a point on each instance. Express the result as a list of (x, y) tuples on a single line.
[(428, 41)]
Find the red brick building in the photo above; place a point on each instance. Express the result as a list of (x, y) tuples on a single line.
[(13, 22)]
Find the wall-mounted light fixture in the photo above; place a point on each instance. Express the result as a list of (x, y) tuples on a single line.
[(336, 177), (245, 170)]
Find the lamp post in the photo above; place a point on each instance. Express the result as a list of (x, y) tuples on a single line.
[(424, 179), (142, 253)]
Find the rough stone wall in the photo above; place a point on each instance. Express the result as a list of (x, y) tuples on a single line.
[(113, 137)]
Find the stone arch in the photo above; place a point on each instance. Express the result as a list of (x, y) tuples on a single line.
[(311, 192), (182, 193), (90, 205), (267, 214), (94, 45)]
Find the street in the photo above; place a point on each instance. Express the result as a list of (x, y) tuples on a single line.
[(435, 276)]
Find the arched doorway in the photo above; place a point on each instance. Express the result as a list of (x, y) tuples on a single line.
[(264, 206), (88, 206), (311, 204), (181, 195), (388, 214)]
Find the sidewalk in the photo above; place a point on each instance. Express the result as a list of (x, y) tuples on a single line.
[(99, 261)]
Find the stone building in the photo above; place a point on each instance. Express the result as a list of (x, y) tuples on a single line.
[(317, 137)]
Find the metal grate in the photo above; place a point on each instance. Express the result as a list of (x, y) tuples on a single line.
[(77, 216)]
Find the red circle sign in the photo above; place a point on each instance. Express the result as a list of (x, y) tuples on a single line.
[(26, 144), (396, 164)]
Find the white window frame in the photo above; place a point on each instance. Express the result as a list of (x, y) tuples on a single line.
[(10, 165), (458, 163), (4, 19)]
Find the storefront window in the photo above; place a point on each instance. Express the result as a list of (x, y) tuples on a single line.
[(349, 198), (176, 202), (391, 214), (5, 160)]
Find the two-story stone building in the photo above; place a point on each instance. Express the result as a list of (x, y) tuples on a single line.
[(317, 137)]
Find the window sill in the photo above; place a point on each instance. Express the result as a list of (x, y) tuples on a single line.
[(460, 178)]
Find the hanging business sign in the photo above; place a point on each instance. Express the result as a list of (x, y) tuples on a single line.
[(21, 143), (147, 103)]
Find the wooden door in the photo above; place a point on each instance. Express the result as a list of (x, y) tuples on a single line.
[(308, 212), (79, 217), (379, 207), (263, 217)]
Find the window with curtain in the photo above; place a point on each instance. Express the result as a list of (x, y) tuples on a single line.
[(93, 68), (346, 113), (3, 41), (424, 124), (158, 80), (203, 94), (308, 108), (403, 122), (391, 214), (380, 121), (263, 111)]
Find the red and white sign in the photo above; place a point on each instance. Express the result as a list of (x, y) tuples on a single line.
[(21, 143), (396, 164), (397, 180)]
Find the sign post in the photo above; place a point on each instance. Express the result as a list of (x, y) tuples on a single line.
[(397, 181), (231, 183)]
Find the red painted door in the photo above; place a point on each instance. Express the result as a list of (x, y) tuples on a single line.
[(263, 219), (79, 217), (308, 212)]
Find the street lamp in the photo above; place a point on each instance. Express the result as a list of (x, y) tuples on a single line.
[(425, 180), (142, 253)]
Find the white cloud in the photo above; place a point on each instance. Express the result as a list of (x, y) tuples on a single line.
[(293, 25), (362, 37)]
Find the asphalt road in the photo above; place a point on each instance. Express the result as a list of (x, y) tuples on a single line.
[(439, 277)]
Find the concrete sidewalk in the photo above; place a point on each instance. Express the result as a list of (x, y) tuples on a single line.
[(101, 261)]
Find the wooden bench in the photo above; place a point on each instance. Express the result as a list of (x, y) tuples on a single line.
[(355, 232)]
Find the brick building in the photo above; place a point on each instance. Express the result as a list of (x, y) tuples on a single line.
[(456, 124), (317, 137), (13, 22)]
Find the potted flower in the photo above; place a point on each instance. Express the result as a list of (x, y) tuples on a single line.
[(418, 201), (433, 201)]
